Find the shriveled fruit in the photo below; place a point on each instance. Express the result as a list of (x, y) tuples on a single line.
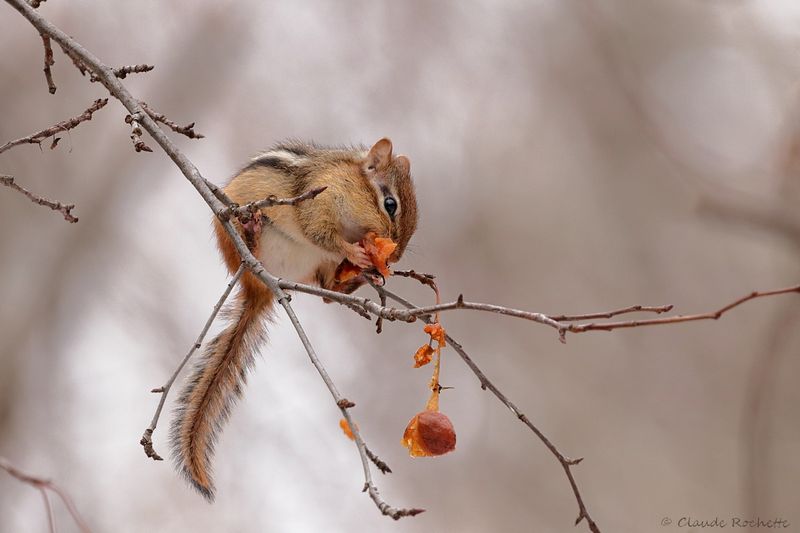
[(428, 434), (379, 250), (346, 271), (423, 355)]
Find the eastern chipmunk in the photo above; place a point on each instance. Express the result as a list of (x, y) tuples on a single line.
[(368, 190)]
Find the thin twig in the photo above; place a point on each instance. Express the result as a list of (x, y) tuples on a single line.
[(485, 383), (136, 133), (381, 465), (187, 130), (48, 62), (379, 321), (410, 315), (244, 212), (425, 279), (43, 485), (51, 520), (147, 437), (369, 485), (713, 315), (219, 194), (64, 209), (64, 125), (610, 314), (123, 72)]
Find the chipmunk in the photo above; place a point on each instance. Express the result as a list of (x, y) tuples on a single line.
[(367, 190)]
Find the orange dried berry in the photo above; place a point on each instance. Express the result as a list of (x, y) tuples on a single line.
[(429, 434), (423, 355), (437, 333), (346, 428), (379, 250), (346, 271)]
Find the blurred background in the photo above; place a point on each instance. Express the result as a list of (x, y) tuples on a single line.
[(569, 157)]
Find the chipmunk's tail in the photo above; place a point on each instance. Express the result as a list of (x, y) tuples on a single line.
[(214, 386)]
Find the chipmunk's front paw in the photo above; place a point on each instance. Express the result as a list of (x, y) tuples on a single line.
[(356, 254)]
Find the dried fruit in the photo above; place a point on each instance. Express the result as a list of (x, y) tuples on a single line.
[(346, 428), (428, 434), (346, 271), (437, 333), (379, 250), (423, 355)]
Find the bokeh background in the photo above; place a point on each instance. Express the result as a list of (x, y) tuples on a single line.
[(570, 156)]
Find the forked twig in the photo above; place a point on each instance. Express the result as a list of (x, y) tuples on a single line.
[(147, 437), (713, 315), (43, 485)]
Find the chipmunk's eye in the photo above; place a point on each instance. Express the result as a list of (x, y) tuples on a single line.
[(390, 204)]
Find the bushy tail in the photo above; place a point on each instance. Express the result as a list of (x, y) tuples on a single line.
[(214, 386)]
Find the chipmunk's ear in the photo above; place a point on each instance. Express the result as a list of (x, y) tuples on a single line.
[(403, 165), (380, 155)]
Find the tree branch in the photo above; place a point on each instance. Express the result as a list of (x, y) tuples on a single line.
[(713, 315), (123, 72), (48, 62), (610, 314), (136, 133), (64, 209), (244, 212), (64, 125)]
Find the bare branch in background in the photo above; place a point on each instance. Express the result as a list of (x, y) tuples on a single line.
[(64, 125), (43, 485), (64, 209), (48, 62), (147, 438), (741, 209)]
